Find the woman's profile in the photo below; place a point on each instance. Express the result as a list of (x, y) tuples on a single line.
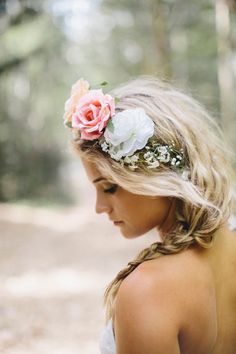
[(158, 161)]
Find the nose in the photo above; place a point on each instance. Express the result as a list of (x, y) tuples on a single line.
[(102, 206)]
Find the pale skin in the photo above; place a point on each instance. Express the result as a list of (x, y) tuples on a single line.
[(176, 304)]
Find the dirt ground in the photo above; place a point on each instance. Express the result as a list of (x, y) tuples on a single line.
[(54, 267)]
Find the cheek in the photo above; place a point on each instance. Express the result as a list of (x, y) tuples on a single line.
[(160, 209), (146, 215), (151, 210), (141, 214)]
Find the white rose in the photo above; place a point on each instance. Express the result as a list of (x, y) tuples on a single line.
[(128, 131)]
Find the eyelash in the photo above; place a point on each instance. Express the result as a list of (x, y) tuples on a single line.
[(111, 190)]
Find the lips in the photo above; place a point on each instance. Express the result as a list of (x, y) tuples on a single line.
[(117, 222)]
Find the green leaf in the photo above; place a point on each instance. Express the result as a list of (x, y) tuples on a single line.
[(68, 124), (110, 126), (104, 83), (117, 100)]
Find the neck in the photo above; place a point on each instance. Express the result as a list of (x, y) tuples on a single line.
[(170, 220), (223, 251)]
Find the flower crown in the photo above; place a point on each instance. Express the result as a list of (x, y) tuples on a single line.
[(127, 136)]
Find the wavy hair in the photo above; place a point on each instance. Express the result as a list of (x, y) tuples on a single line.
[(204, 201)]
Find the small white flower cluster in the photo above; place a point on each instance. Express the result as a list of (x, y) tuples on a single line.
[(104, 146), (151, 156), (131, 161), (166, 154)]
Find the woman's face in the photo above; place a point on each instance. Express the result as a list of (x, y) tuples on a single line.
[(134, 214)]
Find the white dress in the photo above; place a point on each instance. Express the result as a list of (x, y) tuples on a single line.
[(107, 340)]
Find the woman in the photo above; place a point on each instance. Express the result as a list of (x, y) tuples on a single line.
[(158, 161)]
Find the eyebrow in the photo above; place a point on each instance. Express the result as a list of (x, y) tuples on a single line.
[(99, 179)]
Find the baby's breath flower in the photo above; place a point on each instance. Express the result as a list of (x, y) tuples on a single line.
[(104, 146), (162, 149), (164, 157), (154, 164), (148, 155)]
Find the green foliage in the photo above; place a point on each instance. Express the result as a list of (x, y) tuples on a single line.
[(31, 111), (47, 45)]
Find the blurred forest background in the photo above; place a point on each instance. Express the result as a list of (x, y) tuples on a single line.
[(56, 254), (46, 45)]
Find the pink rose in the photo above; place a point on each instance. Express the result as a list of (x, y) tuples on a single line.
[(79, 89), (92, 114)]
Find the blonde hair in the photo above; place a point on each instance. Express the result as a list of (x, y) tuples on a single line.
[(204, 201)]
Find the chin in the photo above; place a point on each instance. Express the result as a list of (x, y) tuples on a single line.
[(131, 234)]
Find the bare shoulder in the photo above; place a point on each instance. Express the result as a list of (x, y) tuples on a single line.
[(165, 273), (163, 281), (152, 276), (147, 313), (154, 302)]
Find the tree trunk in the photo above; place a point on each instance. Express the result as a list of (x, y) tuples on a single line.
[(160, 22), (225, 75)]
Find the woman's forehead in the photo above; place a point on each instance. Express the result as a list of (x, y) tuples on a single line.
[(92, 171)]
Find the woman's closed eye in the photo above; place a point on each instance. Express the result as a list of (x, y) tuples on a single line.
[(112, 189)]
